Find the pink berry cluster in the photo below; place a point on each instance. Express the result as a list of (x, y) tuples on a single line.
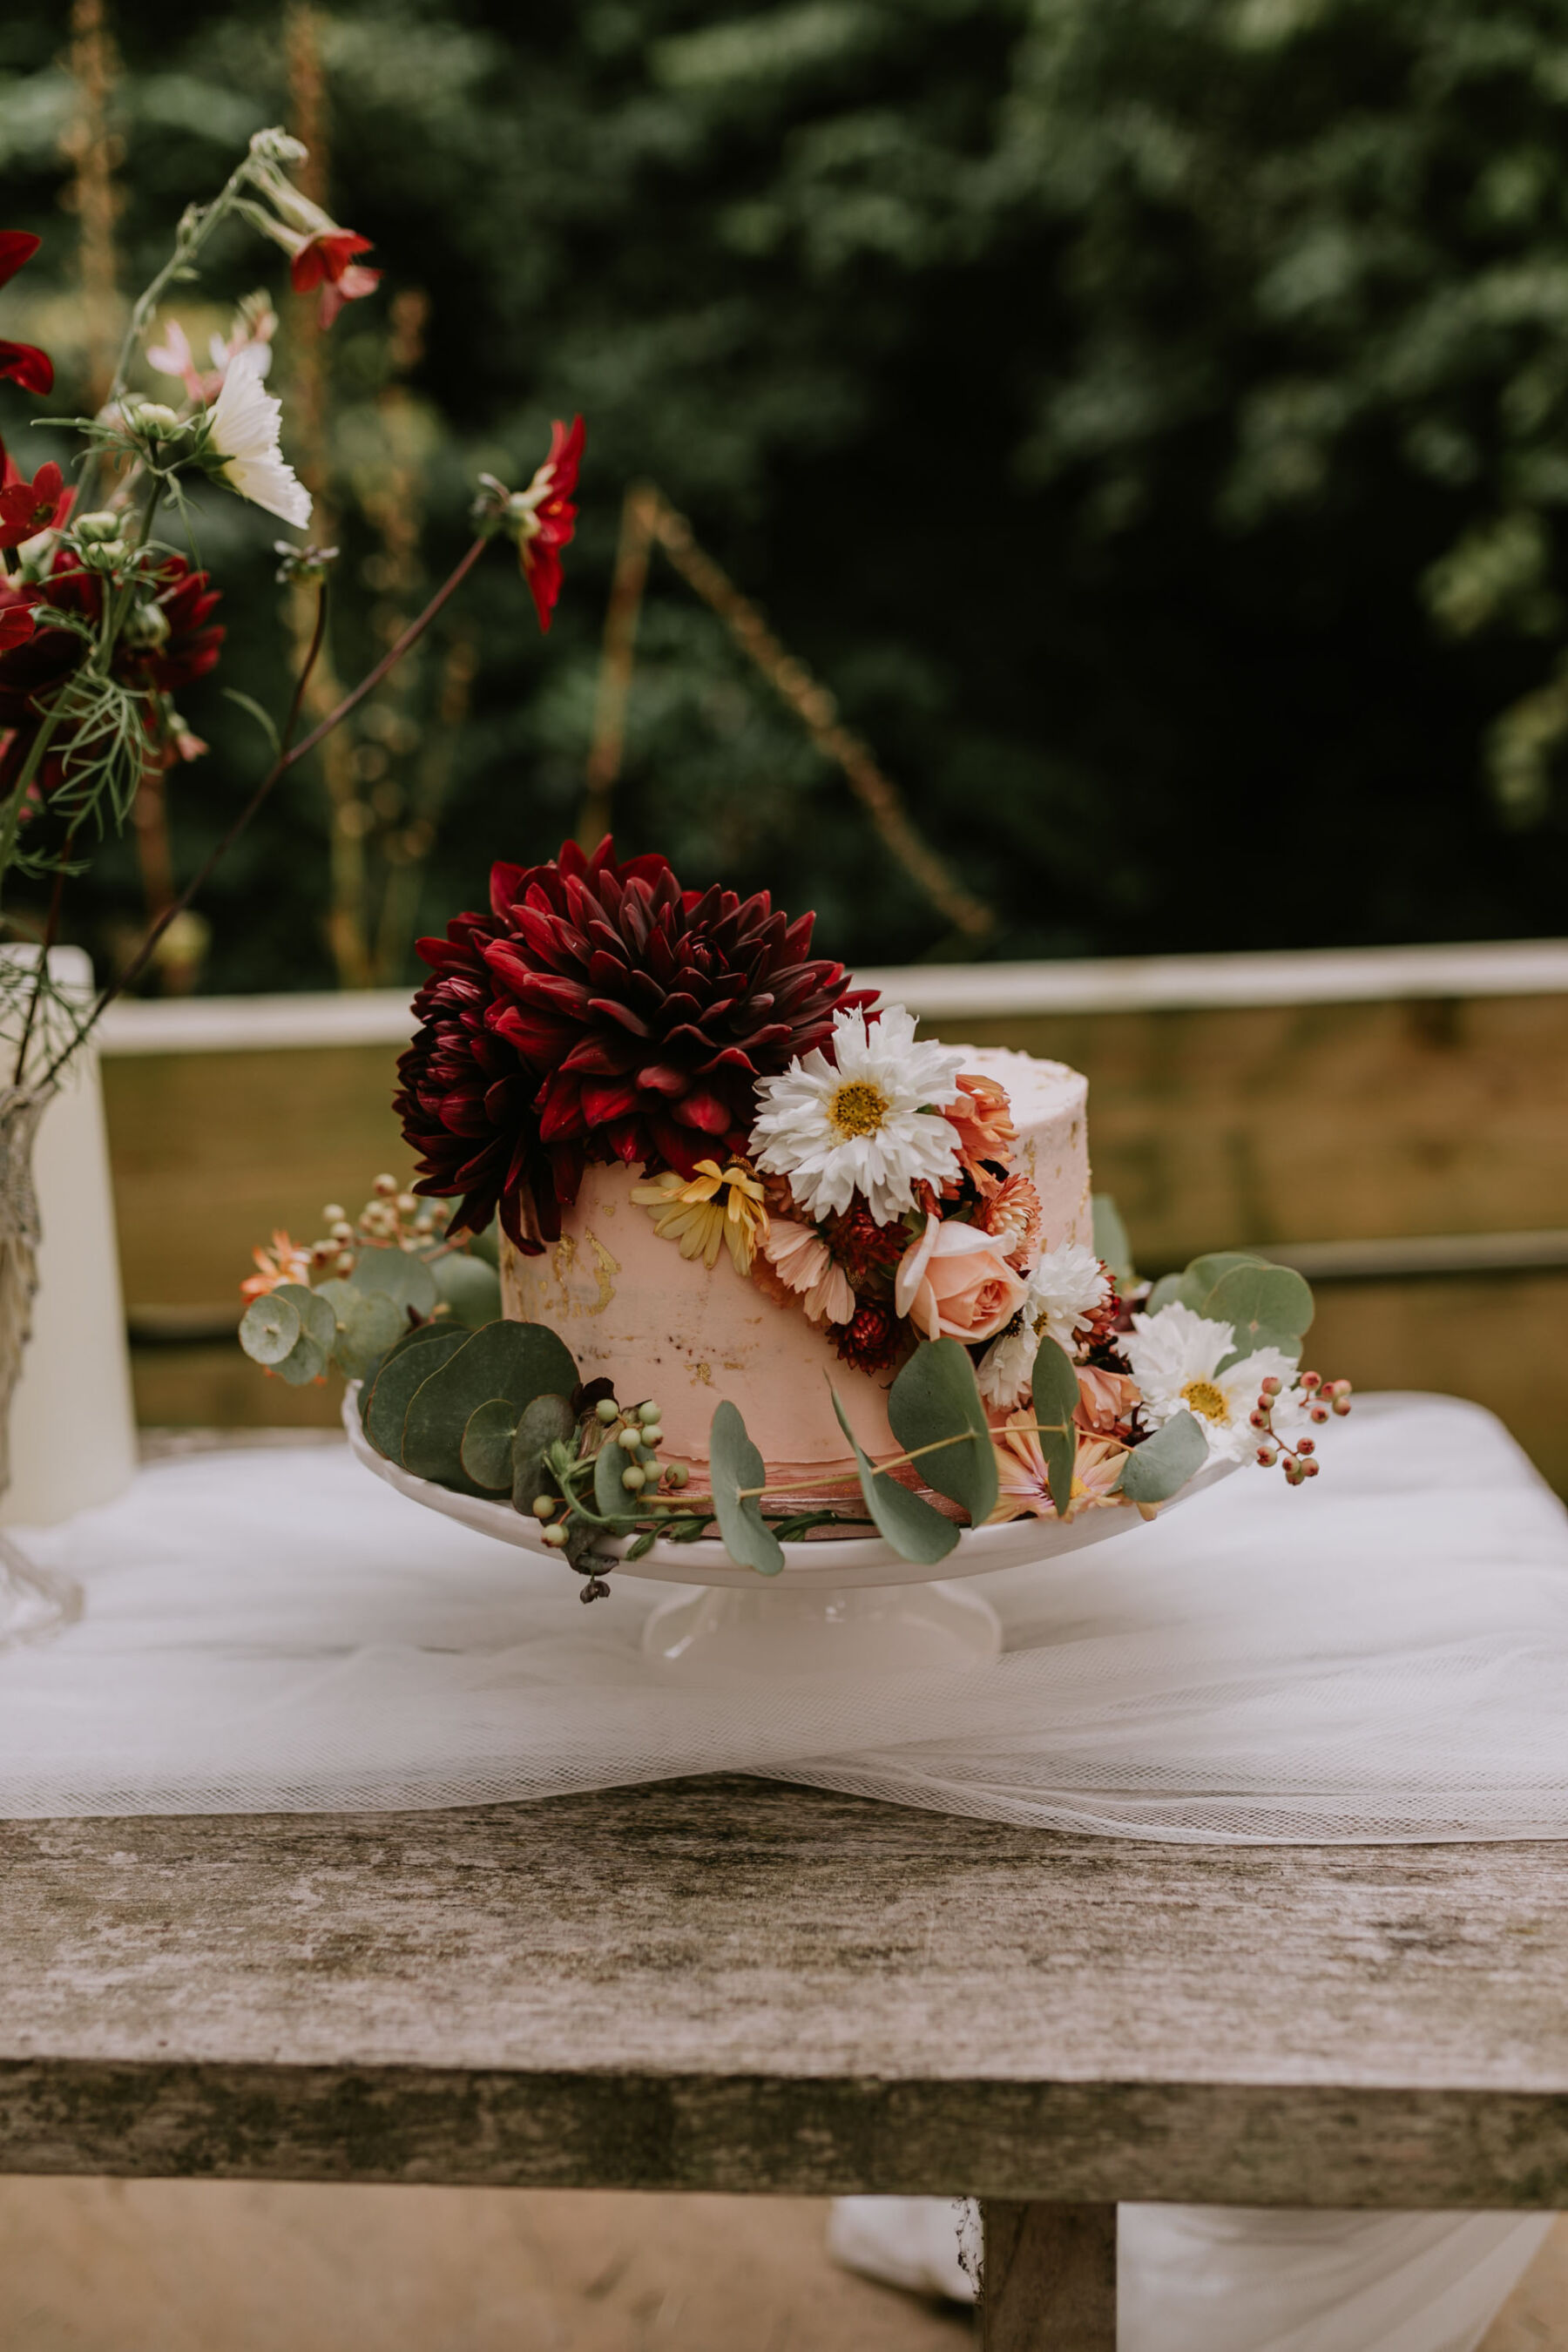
[(1322, 1398)]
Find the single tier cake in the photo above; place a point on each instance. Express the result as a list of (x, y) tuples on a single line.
[(723, 1172), (688, 1332)]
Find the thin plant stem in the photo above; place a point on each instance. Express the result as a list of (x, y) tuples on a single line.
[(897, 1461), (288, 756), (52, 932)]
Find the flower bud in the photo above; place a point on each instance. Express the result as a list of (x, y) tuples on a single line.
[(97, 530), (274, 145), (146, 625), (607, 1411)]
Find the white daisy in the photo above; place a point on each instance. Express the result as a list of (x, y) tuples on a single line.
[(863, 1122), (1065, 1289), (243, 445), (1175, 1358)]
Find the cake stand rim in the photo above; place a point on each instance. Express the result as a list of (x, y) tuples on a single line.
[(832, 1562)]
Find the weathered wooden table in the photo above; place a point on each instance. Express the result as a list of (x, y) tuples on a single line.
[(729, 1984)]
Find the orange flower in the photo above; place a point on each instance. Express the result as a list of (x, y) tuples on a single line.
[(1104, 1400), (983, 1118), (1021, 1473), (1015, 1215), (285, 1261)]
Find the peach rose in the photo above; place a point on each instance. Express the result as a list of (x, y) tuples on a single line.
[(955, 1283), (1103, 1400)]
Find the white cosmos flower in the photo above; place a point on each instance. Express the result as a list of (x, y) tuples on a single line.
[(861, 1123), (242, 438), (1175, 1358), (1066, 1288)]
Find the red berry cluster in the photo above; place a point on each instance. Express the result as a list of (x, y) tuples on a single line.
[(1300, 1459)]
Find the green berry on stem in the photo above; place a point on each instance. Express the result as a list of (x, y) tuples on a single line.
[(633, 1479), (677, 1475), (607, 1411), (646, 1412), (555, 1537), (629, 1438), (544, 1507)]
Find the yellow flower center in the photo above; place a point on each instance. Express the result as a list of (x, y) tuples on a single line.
[(1205, 1399), (857, 1107)]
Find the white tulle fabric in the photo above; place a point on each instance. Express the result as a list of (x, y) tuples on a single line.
[(1380, 1655)]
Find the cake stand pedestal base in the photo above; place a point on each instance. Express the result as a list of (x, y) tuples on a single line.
[(33, 1602), (874, 1629)]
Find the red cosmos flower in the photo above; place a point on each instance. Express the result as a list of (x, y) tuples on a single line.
[(546, 519), (23, 363), (327, 260), (27, 508), (600, 1013), (181, 644)]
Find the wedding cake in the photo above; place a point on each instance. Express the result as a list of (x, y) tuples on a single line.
[(722, 1172)]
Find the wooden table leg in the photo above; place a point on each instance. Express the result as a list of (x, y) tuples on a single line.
[(1047, 2277)]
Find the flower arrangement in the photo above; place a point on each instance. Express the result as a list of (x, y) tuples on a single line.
[(105, 620), (789, 1133), (106, 623)]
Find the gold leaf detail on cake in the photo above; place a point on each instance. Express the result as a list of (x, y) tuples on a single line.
[(573, 1279)]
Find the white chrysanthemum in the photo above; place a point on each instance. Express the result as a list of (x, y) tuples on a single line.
[(1065, 1289), (861, 1123), (242, 435), (1175, 1358)]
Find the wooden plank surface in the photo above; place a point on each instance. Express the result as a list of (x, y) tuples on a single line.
[(730, 1984)]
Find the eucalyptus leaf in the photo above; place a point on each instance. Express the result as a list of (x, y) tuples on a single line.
[(1168, 1291), (369, 1324), (1163, 1465), (400, 1376), (269, 1329), (1055, 1395), (548, 1421), (317, 1323), (1266, 1306), (1110, 1241), (409, 1337), (306, 1361), (486, 1246), (915, 1530), (735, 1464), (398, 1274), (516, 1361), (934, 1398), (611, 1499), (468, 1288), (486, 1443)]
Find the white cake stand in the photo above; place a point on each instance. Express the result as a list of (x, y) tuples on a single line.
[(846, 1605)]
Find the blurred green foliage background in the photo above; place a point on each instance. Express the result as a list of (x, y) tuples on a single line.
[(1146, 416)]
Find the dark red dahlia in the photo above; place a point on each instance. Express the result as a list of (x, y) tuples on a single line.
[(170, 640), (873, 1340), (638, 1017), (465, 1098)]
